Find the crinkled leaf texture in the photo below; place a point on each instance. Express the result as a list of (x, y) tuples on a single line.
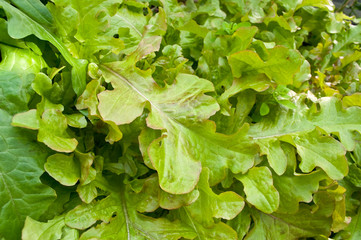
[(284, 226), (21, 158), (53, 229), (194, 120), (24, 21), (299, 127), (21, 165), (174, 109), (119, 218)]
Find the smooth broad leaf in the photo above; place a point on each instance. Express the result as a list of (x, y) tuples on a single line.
[(21, 191), (119, 218), (14, 96), (76, 120), (36, 10), (281, 65), (258, 186), (21, 25)]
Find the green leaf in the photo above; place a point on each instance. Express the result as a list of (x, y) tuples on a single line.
[(36, 10), (194, 145), (352, 100), (281, 66), (136, 88), (127, 222), (15, 79), (343, 121), (53, 133), (276, 157), (264, 110), (353, 227), (21, 191), (325, 4), (21, 25), (286, 226), (226, 205), (325, 152), (301, 124), (58, 164), (215, 231), (295, 187), (258, 186), (89, 97), (174, 201), (241, 223), (76, 120), (29, 119), (51, 230), (354, 175), (187, 110), (254, 10), (93, 24)]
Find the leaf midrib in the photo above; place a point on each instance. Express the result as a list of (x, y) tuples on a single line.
[(332, 127), (289, 224), (125, 80), (66, 54)]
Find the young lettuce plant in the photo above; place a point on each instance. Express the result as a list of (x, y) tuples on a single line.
[(179, 120)]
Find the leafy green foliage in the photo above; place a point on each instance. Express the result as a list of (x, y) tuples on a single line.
[(174, 119)]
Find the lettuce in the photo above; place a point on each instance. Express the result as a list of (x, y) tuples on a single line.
[(170, 119)]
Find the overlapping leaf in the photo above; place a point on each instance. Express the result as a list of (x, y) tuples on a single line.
[(174, 108), (120, 218), (24, 21), (299, 128), (196, 120)]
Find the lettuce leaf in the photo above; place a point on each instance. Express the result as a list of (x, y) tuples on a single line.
[(164, 119)]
